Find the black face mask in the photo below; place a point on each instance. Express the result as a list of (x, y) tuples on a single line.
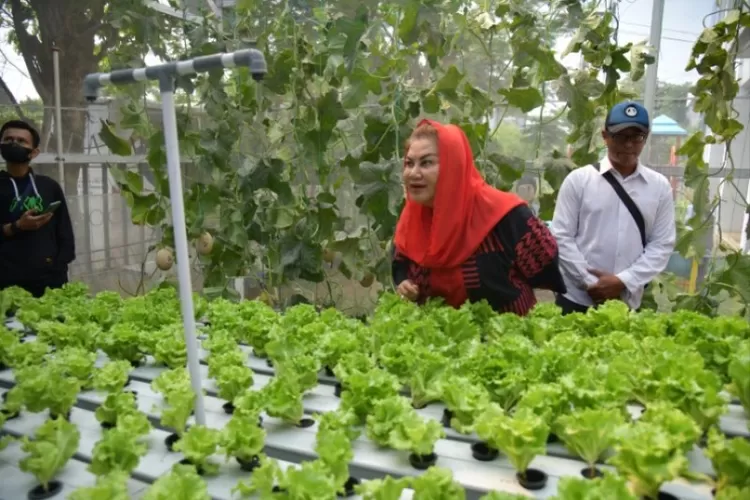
[(13, 152)]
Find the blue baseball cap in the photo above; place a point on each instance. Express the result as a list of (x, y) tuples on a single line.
[(626, 115)]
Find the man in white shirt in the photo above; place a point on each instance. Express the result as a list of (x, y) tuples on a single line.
[(614, 221)]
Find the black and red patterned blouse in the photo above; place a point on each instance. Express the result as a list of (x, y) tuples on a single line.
[(517, 256)]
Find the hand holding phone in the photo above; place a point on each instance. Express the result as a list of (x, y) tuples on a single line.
[(51, 208)]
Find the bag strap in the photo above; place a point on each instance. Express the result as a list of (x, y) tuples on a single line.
[(627, 201)]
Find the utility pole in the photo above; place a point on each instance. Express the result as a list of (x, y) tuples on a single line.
[(652, 70)]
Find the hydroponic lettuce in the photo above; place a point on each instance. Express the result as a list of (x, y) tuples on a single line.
[(649, 455), (181, 483), (334, 450), (505, 377), (437, 484), (520, 437), (77, 363), (178, 394), (70, 334), (114, 406), (282, 398), (387, 488), (54, 443), (47, 388), (113, 486), (731, 461), (588, 433), (4, 440), (308, 480), (465, 401), (233, 380), (113, 376), (124, 341), (242, 437), (198, 444), (169, 346), (364, 389), (415, 434), (117, 450), (739, 374), (608, 487)]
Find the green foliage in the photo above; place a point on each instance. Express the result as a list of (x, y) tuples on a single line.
[(309, 159), (714, 56)]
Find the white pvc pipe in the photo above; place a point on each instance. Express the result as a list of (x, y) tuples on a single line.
[(652, 70), (181, 248), (58, 117)]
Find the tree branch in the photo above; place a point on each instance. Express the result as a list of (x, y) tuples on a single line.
[(14, 102), (31, 48)]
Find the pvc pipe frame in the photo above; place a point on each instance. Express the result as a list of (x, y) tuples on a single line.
[(172, 144), (58, 117), (165, 74)]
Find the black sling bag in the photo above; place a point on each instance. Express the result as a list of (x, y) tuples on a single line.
[(627, 201)]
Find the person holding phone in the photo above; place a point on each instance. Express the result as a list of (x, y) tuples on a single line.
[(36, 242)]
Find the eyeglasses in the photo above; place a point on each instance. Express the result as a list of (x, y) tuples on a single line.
[(624, 138)]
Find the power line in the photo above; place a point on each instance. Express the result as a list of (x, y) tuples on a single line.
[(691, 33), (684, 40)]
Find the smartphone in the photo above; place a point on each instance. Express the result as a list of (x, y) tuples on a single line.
[(51, 208)]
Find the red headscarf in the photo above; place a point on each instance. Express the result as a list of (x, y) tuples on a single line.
[(465, 209)]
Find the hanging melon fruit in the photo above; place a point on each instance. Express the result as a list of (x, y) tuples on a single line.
[(205, 243), (368, 280), (164, 259)]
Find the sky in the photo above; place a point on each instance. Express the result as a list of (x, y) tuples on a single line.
[(683, 22)]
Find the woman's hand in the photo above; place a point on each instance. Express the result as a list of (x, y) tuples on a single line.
[(408, 290)]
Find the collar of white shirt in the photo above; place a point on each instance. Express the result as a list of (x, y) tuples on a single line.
[(605, 165)]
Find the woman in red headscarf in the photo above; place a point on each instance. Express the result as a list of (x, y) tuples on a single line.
[(461, 239)]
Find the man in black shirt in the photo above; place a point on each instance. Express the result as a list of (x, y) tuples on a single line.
[(35, 247)]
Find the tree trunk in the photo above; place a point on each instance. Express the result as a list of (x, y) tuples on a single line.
[(62, 25)]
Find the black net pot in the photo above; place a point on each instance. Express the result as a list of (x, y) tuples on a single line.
[(10, 415), (66, 416), (446, 418), (249, 465), (532, 479), (305, 423), (552, 438), (170, 441), (422, 462), (329, 371), (39, 492), (198, 468), (107, 425), (349, 486), (663, 496), (228, 407), (483, 452), (338, 389), (591, 472)]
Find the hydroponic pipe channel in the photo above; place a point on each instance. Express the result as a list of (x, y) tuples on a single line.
[(165, 74)]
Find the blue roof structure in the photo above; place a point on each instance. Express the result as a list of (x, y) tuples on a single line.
[(664, 125)]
